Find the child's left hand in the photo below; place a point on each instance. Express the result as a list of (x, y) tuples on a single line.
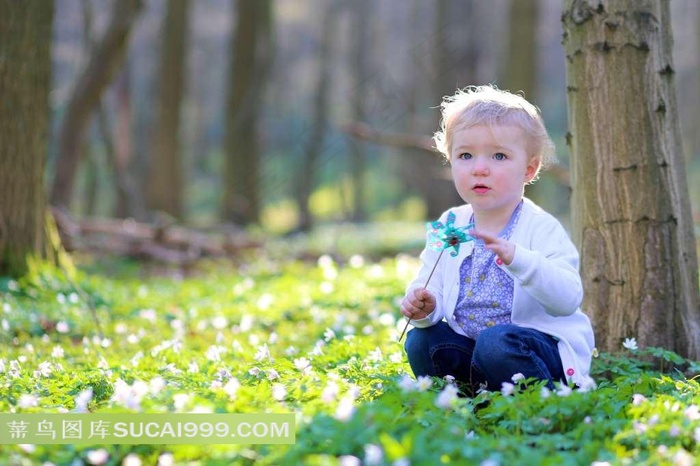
[(505, 250)]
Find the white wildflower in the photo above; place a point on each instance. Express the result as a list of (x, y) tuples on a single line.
[(302, 364), (57, 352), (82, 400), (373, 454), (148, 314), (45, 369), (272, 375), (219, 322), (254, 371), (61, 298), (507, 388), (27, 447), (180, 401), (232, 387), (396, 357), (192, 367), (27, 401), (132, 459), (349, 460), (73, 298), (446, 397), (407, 384), (630, 344), (564, 390), (265, 301), (638, 399), (326, 287), (692, 413), (291, 351), (375, 356), (423, 383), (262, 353), (345, 409), (517, 377), (100, 456), (330, 392), (356, 261), (329, 334), (279, 393), (325, 261), (166, 459)]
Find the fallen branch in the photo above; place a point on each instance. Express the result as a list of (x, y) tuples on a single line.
[(163, 242)]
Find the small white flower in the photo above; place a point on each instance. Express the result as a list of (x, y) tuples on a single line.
[(148, 314), (27, 401), (97, 456), (564, 390), (401, 462), (279, 393), (45, 369), (330, 393), (132, 459), (407, 384), (82, 400), (232, 387), (674, 431), (696, 434), (166, 459), (263, 353), (254, 371), (349, 460), (423, 383), (356, 261), (545, 393), (291, 351), (449, 379), (373, 454), (638, 399), (345, 409), (27, 447), (375, 356), (507, 388), (446, 397), (692, 413), (192, 367), (57, 352), (630, 344), (180, 400), (302, 363), (329, 334), (396, 357), (517, 377)]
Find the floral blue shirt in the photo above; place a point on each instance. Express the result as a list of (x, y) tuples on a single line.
[(485, 291)]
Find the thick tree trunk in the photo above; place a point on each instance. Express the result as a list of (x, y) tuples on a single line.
[(251, 49), (25, 79), (630, 206), (104, 63), (165, 186)]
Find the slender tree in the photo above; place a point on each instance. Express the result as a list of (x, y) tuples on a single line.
[(25, 79), (103, 65), (251, 49), (165, 186), (630, 206)]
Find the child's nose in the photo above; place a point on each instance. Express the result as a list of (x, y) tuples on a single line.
[(480, 166)]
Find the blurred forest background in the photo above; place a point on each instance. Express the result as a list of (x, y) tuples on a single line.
[(288, 114)]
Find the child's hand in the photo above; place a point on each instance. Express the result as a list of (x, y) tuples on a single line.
[(505, 250), (418, 304)]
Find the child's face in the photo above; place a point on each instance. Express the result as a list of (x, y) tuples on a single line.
[(490, 167)]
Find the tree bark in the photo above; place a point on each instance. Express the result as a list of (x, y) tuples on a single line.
[(25, 78), (165, 186), (251, 49), (101, 68), (630, 207)]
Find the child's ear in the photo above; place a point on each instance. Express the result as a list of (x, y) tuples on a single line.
[(532, 168)]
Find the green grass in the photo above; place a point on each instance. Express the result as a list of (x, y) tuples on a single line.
[(184, 339)]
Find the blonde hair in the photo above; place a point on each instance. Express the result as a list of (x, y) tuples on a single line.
[(490, 106)]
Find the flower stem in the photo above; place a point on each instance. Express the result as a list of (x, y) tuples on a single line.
[(424, 287)]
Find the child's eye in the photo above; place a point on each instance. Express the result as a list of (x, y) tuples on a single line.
[(465, 156), (500, 156)]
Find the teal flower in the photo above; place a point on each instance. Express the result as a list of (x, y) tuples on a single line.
[(447, 236)]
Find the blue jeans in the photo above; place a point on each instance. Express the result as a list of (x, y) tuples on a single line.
[(498, 353)]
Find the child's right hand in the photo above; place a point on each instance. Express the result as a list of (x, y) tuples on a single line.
[(418, 304)]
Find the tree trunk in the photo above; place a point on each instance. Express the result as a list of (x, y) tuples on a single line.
[(360, 47), (102, 67), (251, 49), (630, 206), (25, 78), (165, 186)]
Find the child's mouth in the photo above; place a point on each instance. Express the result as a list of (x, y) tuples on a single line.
[(480, 189)]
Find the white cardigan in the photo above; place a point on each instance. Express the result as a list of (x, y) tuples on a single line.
[(547, 286)]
